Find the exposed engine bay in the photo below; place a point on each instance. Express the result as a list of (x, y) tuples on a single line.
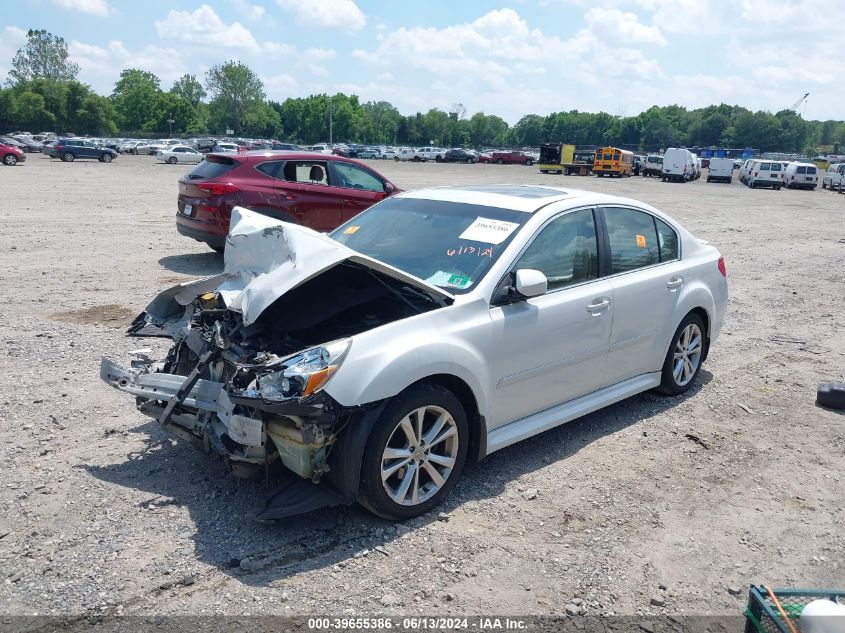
[(252, 392)]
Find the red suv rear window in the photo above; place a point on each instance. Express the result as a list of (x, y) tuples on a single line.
[(212, 167)]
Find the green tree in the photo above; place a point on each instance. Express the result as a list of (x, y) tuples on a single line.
[(95, 116), (235, 91), (31, 113), (189, 89), (44, 56), (134, 96)]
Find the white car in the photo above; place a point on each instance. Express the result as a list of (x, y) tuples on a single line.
[(833, 177), (377, 370), (322, 148), (405, 154), (149, 147), (225, 148), (180, 154), (425, 154)]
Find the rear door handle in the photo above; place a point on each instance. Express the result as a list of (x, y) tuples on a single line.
[(598, 305), (674, 283)]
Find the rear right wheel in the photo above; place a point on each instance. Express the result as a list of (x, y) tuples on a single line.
[(683, 360)]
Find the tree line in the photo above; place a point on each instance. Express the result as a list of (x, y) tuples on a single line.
[(42, 93)]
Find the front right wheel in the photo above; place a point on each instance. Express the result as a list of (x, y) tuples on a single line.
[(415, 454), (683, 360)]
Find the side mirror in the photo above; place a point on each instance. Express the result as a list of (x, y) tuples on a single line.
[(530, 283), (389, 188)]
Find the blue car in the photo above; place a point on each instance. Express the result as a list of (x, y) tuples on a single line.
[(69, 149)]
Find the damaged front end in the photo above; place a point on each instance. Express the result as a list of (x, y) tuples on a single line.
[(245, 376)]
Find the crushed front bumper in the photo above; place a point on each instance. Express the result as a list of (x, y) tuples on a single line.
[(242, 430)]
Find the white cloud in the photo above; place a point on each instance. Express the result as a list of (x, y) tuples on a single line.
[(492, 63), (204, 27), (326, 13), (618, 26), (280, 87), (11, 39), (101, 66), (251, 12), (94, 7)]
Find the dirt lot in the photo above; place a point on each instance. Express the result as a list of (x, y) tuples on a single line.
[(654, 500)]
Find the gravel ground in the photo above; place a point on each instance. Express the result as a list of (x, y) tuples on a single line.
[(654, 505)]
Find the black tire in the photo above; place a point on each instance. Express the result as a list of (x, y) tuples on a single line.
[(10, 160), (668, 384), (499, 161), (68, 157), (438, 159), (529, 162), (372, 494), (396, 159), (831, 395), (171, 160), (708, 178), (106, 158)]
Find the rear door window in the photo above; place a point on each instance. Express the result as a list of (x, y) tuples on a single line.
[(765, 166), (633, 239), (306, 171), (800, 170), (811, 170)]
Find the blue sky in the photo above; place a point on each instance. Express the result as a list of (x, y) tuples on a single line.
[(507, 58)]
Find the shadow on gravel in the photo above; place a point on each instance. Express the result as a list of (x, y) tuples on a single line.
[(221, 506), (203, 264)]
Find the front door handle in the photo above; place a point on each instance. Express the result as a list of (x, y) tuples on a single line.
[(674, 283), (598, 305)]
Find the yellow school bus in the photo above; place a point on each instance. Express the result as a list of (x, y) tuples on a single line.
[(612, 161)]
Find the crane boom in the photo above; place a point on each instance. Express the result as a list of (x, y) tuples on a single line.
[(799, 102)]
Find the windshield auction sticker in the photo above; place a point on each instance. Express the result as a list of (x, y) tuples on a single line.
[(488, 231)]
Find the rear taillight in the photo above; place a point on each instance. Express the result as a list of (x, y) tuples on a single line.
[(685, 169), (722, 269), (218, 189)]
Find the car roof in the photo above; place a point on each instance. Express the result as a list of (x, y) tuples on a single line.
[(526, 198), (258, 154)]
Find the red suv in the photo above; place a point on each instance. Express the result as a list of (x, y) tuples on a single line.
[(316, 190), (11, 155)]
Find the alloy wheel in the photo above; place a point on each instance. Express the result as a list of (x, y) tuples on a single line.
[(687, 355), (11, 160), (420, 455)]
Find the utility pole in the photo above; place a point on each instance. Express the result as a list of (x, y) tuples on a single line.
[(171, 121), (331, 140)]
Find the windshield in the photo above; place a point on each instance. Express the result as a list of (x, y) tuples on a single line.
[(448, 244)]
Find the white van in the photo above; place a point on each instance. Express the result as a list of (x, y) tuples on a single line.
[(720, 170), (745, 169), (833, 177), (678, 165), (800, 176), (765, 173)]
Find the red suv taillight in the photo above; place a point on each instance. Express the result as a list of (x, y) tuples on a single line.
[(722, 268), (218, 189)]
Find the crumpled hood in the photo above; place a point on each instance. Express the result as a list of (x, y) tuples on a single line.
[(266, 258)]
